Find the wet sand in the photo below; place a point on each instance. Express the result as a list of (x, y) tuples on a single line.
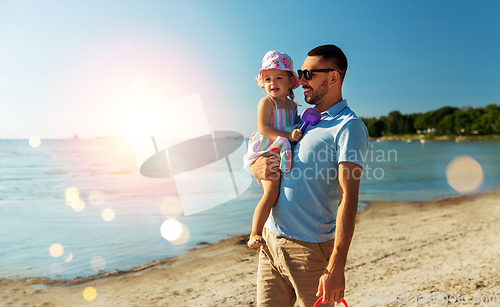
[(401, 253)]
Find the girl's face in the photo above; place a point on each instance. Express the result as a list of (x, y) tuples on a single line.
[(277, 83)]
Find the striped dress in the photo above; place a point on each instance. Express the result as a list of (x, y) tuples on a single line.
[(283, 120)]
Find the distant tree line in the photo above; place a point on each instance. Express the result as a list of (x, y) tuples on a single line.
[(447, 120)]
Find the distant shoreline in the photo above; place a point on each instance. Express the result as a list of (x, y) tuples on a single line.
[(442, 138)]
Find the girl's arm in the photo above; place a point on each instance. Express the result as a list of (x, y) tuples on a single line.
[(264, 113)]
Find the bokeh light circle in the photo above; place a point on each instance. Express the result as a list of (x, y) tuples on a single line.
[(98, 264), (108, 214), (171, 207), (175, 232), (90, 293), (78, 205), (56, 250), (71, 194), (184, 237), (96, 198), (464, 174), (171, 229), (35, 141)]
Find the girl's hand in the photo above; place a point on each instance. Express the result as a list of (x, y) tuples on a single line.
[(256, 241), (295, 135)]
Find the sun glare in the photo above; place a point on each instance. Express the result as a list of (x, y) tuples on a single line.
[(138, 123)]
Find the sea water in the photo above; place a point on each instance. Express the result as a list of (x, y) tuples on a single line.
[(413, 172), (34, 214)]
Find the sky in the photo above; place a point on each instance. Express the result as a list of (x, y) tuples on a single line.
[(89, 67)]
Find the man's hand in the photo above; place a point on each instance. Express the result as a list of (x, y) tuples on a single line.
[(332, 282), (266, 167), (332, 286)]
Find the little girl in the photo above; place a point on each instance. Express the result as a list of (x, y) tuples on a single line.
[(275, 121)]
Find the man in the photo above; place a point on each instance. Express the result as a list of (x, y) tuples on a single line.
[(309, 231)]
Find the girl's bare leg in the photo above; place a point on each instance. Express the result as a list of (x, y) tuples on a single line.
[(271, 193)]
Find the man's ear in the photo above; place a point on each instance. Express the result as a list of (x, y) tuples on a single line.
[(335, 77)]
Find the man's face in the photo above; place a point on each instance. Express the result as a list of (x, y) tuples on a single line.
[(316, 88)]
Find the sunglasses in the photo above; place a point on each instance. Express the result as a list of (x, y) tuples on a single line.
[(307, 73)]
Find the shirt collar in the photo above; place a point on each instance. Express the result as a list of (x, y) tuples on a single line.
[(336, 108)]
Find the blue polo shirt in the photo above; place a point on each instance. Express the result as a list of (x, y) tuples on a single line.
[(309, 194)]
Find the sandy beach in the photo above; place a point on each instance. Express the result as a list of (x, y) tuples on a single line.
[(419, 254)]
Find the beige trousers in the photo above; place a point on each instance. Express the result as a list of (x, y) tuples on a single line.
[(289, 271)]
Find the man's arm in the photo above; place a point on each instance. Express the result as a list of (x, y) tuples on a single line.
[(332, 282), (266, 167)]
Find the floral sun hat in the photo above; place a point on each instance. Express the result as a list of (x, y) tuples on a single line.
[(277, 60)]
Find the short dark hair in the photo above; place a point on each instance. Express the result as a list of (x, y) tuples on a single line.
[(332, 54)]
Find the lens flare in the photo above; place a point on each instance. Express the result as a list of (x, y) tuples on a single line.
[(138, 122), (70, 257), (56, 250), (175, 232), (183, 238), (108, 214), (56, 269), (98, 264), (171, 230), (35, 141), (71, 194), (90, 293), (78, 205), (464, 174), (96, 198), (171, 207)]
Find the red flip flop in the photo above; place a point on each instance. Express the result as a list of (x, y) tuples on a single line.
[(321, 299)]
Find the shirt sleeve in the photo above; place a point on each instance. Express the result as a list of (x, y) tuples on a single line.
[(352, 142)]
